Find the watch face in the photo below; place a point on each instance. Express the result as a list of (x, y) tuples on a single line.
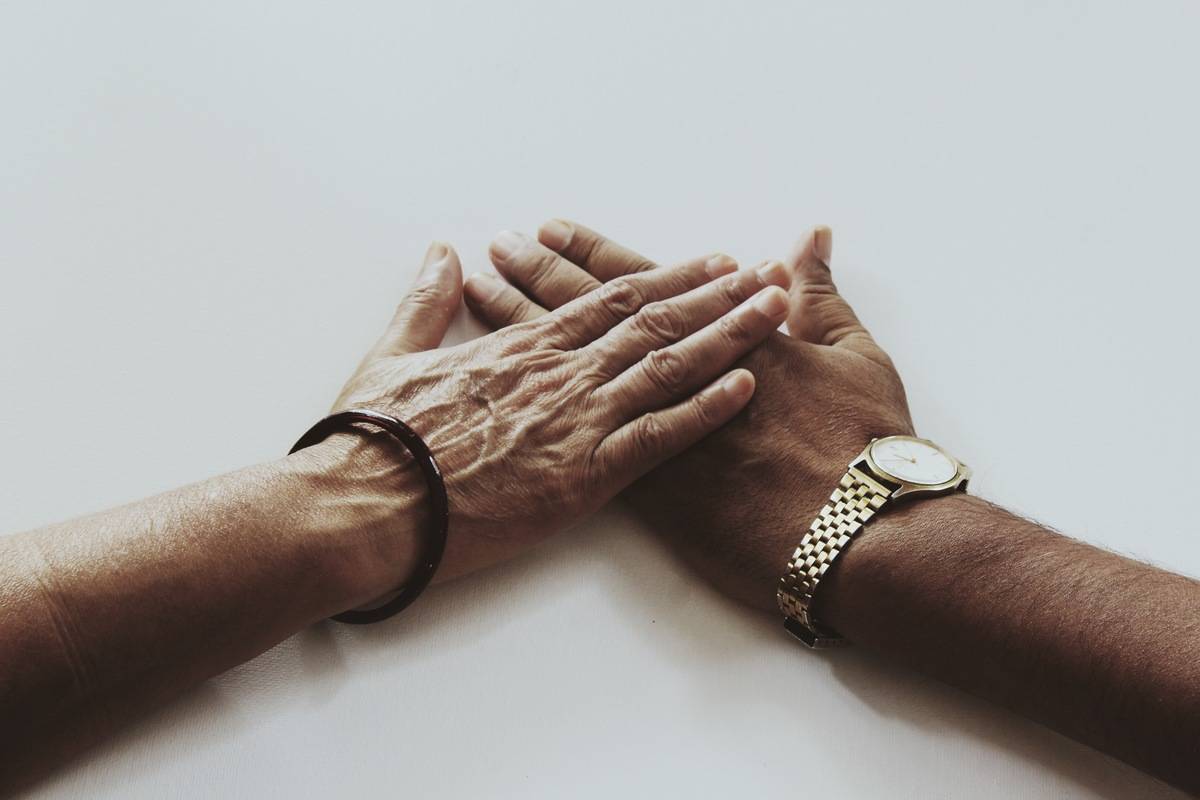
[(913, 461)]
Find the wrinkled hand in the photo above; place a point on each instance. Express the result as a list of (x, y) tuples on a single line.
[(738, 503), (541, 423)]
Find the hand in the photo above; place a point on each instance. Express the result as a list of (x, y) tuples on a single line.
[(541, 423), (738, 503)]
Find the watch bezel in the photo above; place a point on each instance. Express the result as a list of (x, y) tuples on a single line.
[(962, 472)]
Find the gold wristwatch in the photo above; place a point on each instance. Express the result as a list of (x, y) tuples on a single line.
[(888, 469)]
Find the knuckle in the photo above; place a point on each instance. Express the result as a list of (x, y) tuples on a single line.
[(733, 290), (662, 321), (536, 269), (821, 274), (735, 330), (622, 296), (513, 340), (841, 330), (510, 311), (426, 296), (590, 375), (648, 433), (585, 244), (667, 370), (824, 301), (639, 264), (704, 407)]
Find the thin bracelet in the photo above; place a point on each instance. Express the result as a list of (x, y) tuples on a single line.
[(435, 546)]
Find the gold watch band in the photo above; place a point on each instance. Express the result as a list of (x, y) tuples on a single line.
[(855, 501)]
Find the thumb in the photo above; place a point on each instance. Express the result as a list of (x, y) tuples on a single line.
[(819, 314), (424, 314)]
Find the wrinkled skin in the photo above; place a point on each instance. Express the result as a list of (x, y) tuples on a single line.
[(539, 424), (736, 504)]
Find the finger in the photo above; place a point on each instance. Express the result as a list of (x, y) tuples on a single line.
[(498, 304), (421, 319), (597, 255), (666, 375), (819, 314), (603, 258), (665, 322), (637, 447), (538, 271), (581, 321)]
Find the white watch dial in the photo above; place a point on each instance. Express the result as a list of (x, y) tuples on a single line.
[(913, 461)]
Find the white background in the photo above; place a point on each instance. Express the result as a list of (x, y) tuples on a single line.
[(209, 210)]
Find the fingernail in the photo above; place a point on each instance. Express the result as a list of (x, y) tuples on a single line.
[(773, 273), (772, 302), (719, 265), (433, 268), (823, 243), (739, 384), (506, 243), (483, 287), (555, 234), (436, 252)]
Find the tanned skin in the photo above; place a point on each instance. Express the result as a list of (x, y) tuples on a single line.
[(104, 617), (1099, 647), (108, 616)]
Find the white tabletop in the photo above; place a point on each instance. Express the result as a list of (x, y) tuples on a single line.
[(190, 194)]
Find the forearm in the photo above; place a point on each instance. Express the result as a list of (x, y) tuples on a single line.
[(1100, 647), (104, 617)]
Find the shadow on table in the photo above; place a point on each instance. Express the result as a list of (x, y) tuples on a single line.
[(897, 692), (889, 690), (688, 621)]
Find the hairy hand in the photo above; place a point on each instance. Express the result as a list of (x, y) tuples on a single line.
[(738, 503), (541, 423)]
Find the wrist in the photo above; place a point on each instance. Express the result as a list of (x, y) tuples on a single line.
[(368, 511), (888, 565)]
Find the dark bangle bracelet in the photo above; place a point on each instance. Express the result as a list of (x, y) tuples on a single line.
[(435, 545)]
